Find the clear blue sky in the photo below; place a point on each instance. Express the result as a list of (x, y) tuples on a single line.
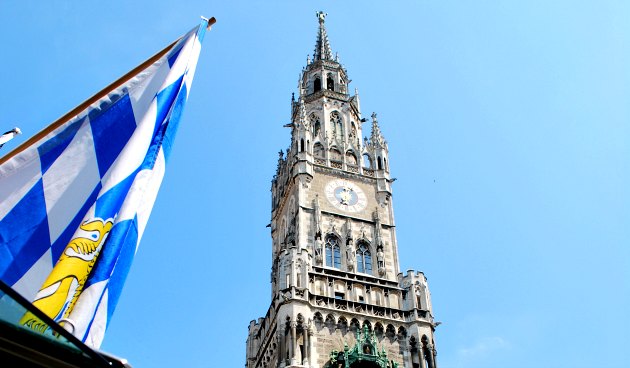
[(509, 130)]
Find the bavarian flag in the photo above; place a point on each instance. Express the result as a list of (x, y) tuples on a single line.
[(75, 198)]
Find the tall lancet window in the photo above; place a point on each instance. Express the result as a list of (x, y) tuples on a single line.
[(330, 82), (364, 259), (317, 85), (333, 252)]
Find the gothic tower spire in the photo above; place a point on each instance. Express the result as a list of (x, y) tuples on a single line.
[(322, 46), (338, 296)]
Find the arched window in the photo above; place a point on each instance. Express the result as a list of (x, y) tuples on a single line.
[(333, 252), (364, 259), (317, 85), (384, 163), (379, 163), (318, 150), (302, 145), (351, 158), (367, 161), (335, 154), (330, 82)]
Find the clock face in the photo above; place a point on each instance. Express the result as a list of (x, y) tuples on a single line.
[(345, 196)]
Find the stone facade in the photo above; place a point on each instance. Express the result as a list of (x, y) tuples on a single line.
[(337, 297)]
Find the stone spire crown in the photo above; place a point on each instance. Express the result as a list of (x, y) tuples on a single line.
[(322, 46), (377, 137)]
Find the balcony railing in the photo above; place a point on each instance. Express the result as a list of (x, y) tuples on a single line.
[(336, 164)]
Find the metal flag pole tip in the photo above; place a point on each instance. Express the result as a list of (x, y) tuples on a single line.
[(210, 21)]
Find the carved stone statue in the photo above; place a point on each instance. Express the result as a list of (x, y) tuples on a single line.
[(380, 258), (318, 250), (350, 257)]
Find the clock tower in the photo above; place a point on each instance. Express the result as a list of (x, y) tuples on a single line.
[(338, 298)]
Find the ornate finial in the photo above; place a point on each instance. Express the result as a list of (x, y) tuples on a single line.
[(303, 119), (376, 138), (321, 16)]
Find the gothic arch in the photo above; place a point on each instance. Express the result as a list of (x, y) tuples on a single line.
[(379, 331), (342, 325), (354, 325), (318, 320), (330, 322), (363, 257), (335, 154), (351, 158), (317, 84), (402, 332), (319, 151), (413, 344), (330, 82), (367, 161), (390, 331), (367, 324)]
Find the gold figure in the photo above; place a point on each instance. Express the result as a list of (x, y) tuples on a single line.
[(65, 283)]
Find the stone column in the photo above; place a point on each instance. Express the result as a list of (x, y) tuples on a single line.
[(430, 356), (293, 344), (307, 346), (434, 352), (281, 346), (421, 355)]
